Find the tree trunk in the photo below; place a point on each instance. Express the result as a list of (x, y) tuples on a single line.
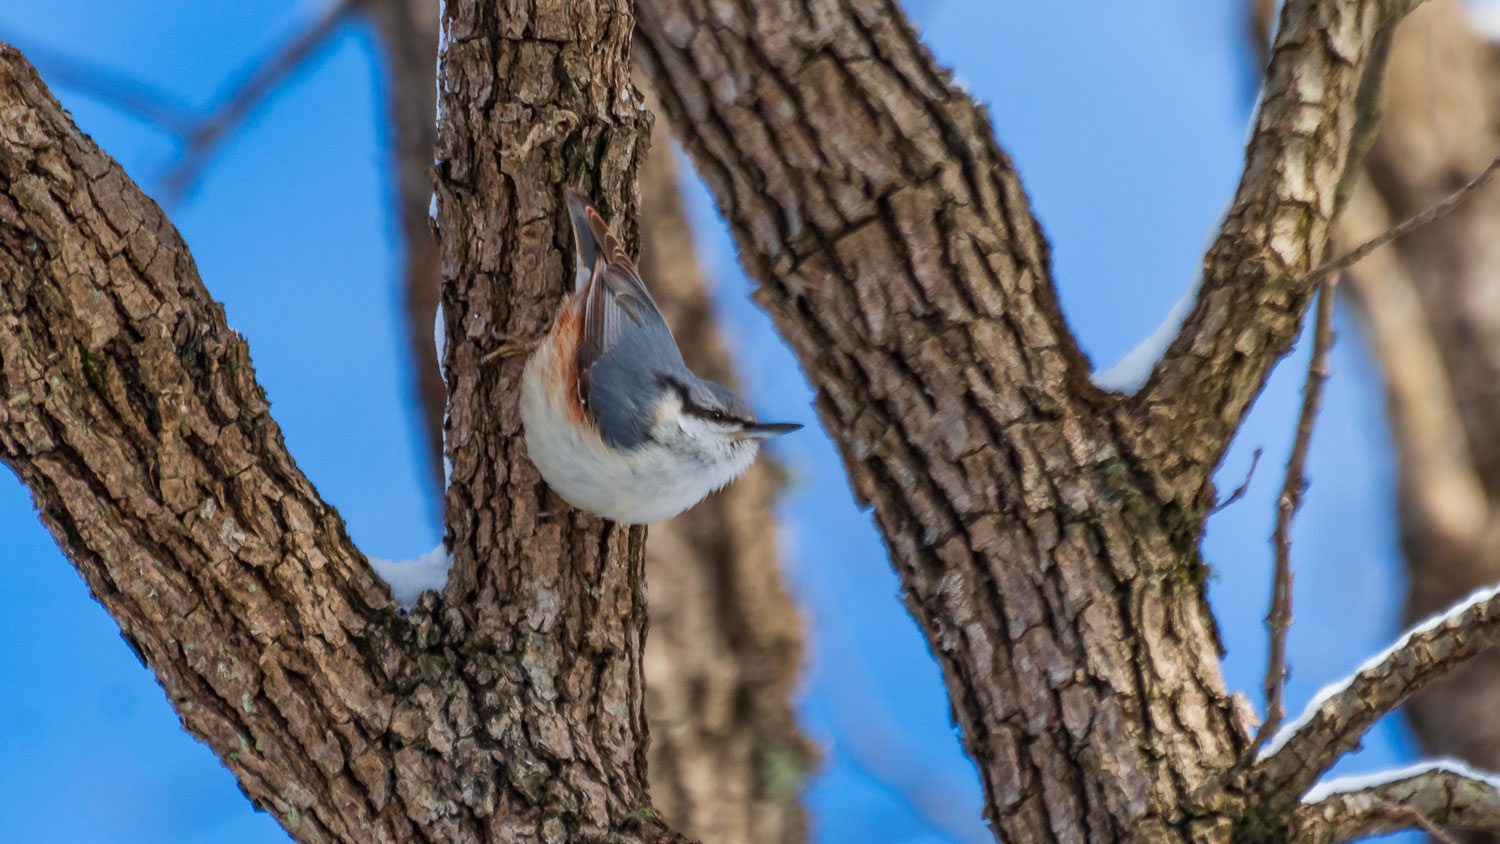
[(547, 605), (727, 759)]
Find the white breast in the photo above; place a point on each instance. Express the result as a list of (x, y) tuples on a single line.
[(647, 484)]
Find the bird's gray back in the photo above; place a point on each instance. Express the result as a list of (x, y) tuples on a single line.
[(627, 381)]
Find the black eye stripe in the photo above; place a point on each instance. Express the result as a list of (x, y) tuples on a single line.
[(694, 409), (706, 413), (668, 381)]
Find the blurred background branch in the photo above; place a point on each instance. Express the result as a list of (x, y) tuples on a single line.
[(1430, 308), (727, 760)]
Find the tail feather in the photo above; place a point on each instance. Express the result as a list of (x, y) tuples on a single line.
[(596, 244), (585, 243)]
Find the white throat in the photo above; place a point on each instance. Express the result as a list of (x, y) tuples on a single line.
[(688, 459)]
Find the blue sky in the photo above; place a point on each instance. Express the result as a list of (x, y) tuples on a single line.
[(1127, 123)]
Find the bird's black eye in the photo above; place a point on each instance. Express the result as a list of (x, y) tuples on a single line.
[(716, 415)]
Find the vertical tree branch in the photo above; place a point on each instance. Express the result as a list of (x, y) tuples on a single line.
[(549, 602), (1287, 504)]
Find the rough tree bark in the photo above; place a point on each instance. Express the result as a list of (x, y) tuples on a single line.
[(897, 253), (1045, 532), (132, 413), (548, 602), (727, 759)]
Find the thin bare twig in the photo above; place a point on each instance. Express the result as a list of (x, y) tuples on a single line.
[(1437, 210), (262, 77), (199, 132), (1239, 491), (1287, 504)]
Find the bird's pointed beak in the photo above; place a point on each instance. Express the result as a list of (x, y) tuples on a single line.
[(767, 430)]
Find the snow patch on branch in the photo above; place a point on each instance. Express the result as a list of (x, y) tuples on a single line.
[(1131, 372), (1290, 728), (1358, 782), (440, 345), (408, 579)]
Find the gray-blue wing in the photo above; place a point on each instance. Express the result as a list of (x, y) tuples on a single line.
[(623, 385), (615, 301), (617, 309)]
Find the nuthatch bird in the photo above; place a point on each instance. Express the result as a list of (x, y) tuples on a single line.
[(615, 422)]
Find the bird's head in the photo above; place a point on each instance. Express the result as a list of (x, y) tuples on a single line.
[(695, 413)]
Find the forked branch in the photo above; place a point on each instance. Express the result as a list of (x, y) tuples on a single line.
[(131, 411), (262, 77)]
